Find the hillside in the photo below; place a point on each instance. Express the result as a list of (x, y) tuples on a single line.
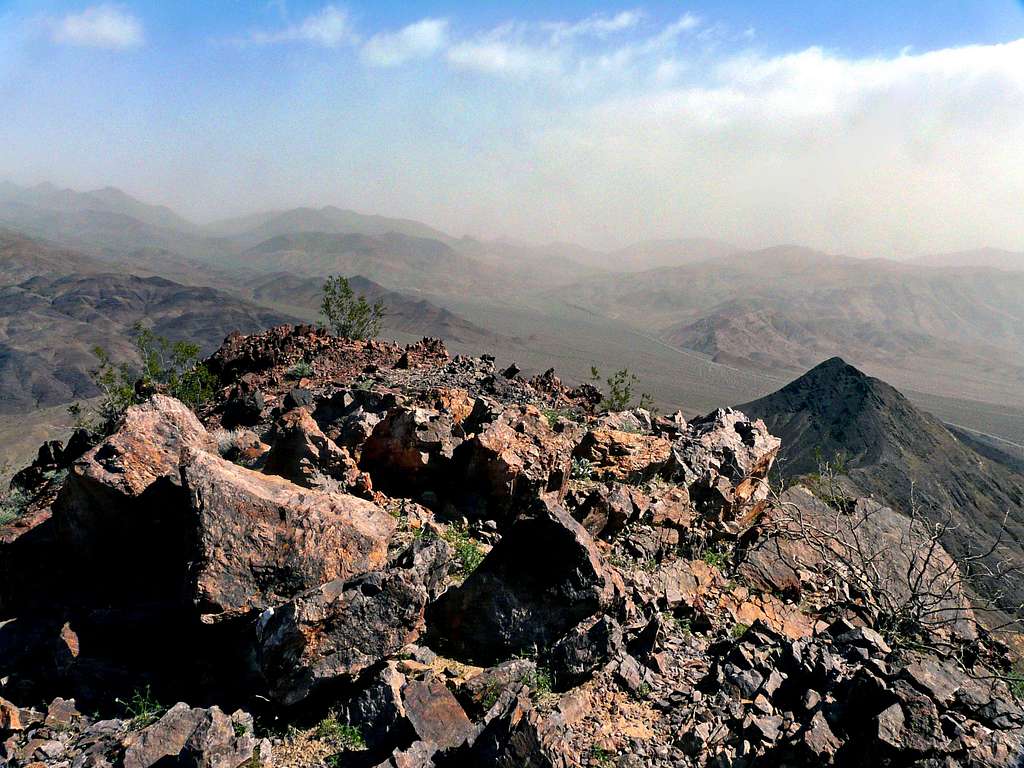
[(894, 452), (994, 258), (409, 559)]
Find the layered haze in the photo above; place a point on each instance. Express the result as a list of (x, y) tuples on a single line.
[(600, 125)]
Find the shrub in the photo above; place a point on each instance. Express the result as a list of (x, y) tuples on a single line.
[(301, 370), (142, 709), (349, 315), (467, 552), (12, 505), (619, 395), (339, 735), (738, 630), (582, 469), (171, 366)]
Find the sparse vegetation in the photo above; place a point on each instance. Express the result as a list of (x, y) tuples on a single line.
[(601, 757), (715, 557), (349, 315), (468, 553), (738, 630), (620, 390), (339, 735), (582, 469), (142, 709), (173, 367), (12, 505), (301, 370)]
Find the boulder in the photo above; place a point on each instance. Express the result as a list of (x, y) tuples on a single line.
[(542, 578), (10, 716), (585, 648), (261, 540), (195, 738), (302, 453), (624, 456), (410, 449), (722, 459), (516, 456), (122, 509), (343, 627), (605, 511)]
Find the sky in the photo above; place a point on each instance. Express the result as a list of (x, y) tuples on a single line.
[(867, 128)]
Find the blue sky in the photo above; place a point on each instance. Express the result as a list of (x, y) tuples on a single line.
[(867, 127)]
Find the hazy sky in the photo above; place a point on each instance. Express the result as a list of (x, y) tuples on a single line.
[(868, 127)]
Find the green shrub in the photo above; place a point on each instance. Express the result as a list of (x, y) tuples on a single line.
[(582, 469), (301, 370), (339, 735), (349, 315), (619, 395), (738, 630), (13, 504), (171, 366), (142, 709), (468, 554)]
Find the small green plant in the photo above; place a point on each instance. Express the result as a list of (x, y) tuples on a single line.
[(601, 757), (468, 554), (13, 504), (349, 315), (538, 681), (1016, 681), (643, 691), (714, 557), (142, 709), (553, 415), (738, 630), (240, 729), (582, 469), (619, 395), (301, 370), (172, 366), (339, 735)]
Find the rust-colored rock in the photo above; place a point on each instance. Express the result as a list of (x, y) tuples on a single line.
[(10, 716), (198, 738), (410, 448), (518, 455), (302, 453), (261, 539), (624, 456)]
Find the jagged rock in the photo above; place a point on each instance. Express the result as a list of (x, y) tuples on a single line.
[(583, 649), (410, 448), (122, 509), (343, 627), (10, 716), (261, 540), (722, 459), (377, 710), (636, 420), (516, 456), (241, 446), (245, 406), (435, 714), (193, 738), (302, 453), (540, 580), (819, 739), (624, 456), (481, 691), (605, 511)]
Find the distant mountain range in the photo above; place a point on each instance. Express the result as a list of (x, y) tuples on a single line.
[(955, 329), (896, 453)]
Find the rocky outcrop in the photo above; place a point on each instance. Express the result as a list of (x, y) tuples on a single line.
[(261, 539), (543, 577), (392, 517)]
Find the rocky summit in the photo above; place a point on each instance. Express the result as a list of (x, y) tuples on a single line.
[(361, 554)]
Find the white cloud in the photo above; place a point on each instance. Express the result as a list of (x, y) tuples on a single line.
[(502, 52), (100, 26), (329, 27), (911, 153), (599, 25), (416, 41)]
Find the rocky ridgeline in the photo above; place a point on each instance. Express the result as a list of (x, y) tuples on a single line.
[(377, 556)]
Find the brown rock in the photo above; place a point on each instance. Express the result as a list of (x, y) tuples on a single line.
[(193, 738), (516, 456), (606, 510), (10, 716), (343, 627), (261, 539), (435, 714), (302, 453), (410, 449), (624, 456)]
